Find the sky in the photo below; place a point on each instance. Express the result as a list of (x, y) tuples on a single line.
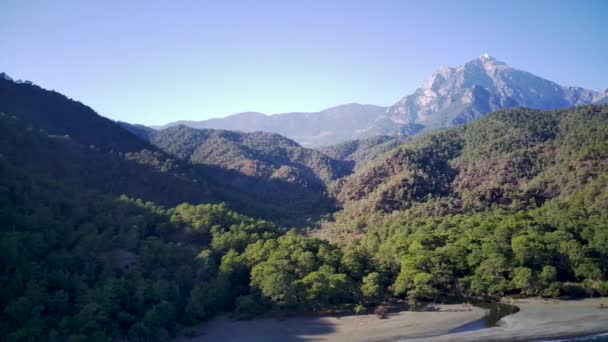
[(154, 62)]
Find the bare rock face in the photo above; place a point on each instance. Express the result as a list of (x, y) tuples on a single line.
[(457, 95), (604, 98)]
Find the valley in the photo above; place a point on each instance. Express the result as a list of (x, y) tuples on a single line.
[(112, 230)]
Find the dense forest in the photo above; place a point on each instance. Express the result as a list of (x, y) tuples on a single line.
[(263, 165), (105, 236), (356, 153), (80, 146)]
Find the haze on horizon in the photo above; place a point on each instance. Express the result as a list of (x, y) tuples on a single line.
[(152, 63)]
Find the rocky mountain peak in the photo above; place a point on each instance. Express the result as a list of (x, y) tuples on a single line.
[(487, 59), (454, 95)]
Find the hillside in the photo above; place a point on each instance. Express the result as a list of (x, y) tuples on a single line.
[(359, 152), (59, 115), (45, 132), (141, 131), (263, 174), (514, 203), (51, 135), (517, 159), (258, 154)]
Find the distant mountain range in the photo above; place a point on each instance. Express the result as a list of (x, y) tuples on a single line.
[(330, 126), (451, 96)]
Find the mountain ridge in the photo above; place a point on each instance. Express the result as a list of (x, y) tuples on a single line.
[(92, 152), (451, 96), (307, 128), (513, 159), (455, 95)]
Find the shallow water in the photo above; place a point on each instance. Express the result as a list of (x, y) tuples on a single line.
[(593, 338), (497, 312)]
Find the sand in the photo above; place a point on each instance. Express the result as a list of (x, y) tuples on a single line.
[(347, 328), (538, 319), (541, 320)]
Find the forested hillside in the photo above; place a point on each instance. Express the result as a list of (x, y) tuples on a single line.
[(514, 203), (80, 262), (59, 115), (513, 159), (82, 266), (359, 152), (281, 179), (264, 176), (258, 154)]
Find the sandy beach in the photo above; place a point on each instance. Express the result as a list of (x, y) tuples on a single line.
[(346, 329), (538, 319), (541, 320)]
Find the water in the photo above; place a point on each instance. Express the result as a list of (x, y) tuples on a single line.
[(592, 338), (497, 312)]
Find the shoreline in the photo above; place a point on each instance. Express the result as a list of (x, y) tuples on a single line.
[(540, 320), (537, 320), (363, 327)]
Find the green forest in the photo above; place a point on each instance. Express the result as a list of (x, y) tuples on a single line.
[(107, 236)]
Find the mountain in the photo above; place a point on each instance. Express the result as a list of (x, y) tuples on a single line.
[(361, 151), (59, 115), (273, 170), (47, 133), (514, 159), (141, 131), (604, 98), (268, 169), (258, 154), (326, 127), (453, 96)]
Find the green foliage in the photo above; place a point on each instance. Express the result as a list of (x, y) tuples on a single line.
[(512, 203), (79, 264), (360, 309), (523, 280), (263, 175), (248, 306), (295, 271), (371, 287), (61, 116), (273, 172), (515, 159), (359, 152)]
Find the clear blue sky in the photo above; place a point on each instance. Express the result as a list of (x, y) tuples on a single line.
[(158, 61)]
